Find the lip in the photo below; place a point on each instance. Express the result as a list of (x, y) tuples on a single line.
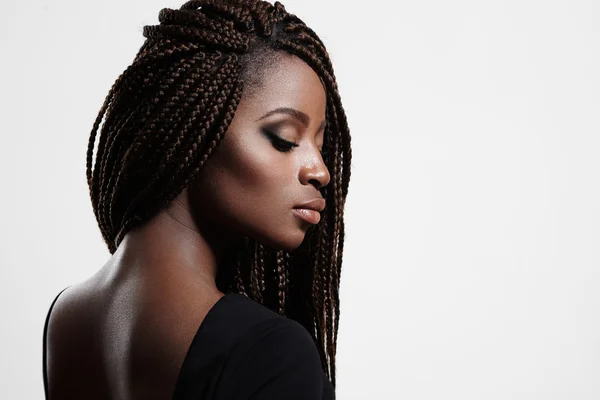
[(316, 205), (311, 216), (310, 211)]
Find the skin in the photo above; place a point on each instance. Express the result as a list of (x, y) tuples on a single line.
[(160, 283)]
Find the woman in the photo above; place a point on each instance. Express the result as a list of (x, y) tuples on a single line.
[(219, 186)]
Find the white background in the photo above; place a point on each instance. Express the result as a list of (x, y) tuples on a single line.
[(472, 253)]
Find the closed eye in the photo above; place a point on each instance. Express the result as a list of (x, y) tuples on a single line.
[(283, 145), (279, 143)]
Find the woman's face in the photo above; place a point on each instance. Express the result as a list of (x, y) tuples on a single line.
[(253, 181)]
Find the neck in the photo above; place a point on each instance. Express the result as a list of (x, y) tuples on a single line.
[(173, 245)]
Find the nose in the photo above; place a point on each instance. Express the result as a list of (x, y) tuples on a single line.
[(314, 172)]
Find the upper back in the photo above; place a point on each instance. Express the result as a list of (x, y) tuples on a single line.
[(125, 341)]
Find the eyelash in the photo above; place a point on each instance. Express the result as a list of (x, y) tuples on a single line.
[(283, 145)]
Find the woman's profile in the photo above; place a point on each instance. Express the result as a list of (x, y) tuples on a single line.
[(221, 170)]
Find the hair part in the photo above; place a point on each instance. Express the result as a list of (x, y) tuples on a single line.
[(167, 113), (260, 60)]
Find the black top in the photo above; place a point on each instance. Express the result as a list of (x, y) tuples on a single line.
[(243, 350)]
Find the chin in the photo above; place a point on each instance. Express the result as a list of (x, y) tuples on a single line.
[(287, 242)]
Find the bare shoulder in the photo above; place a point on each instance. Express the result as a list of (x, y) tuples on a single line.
[(71, 313), (68, 343), (76, 307)]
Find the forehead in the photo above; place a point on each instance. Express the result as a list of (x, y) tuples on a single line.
[(288, 82)]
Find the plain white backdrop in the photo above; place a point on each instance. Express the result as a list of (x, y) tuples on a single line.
[(472, 259)]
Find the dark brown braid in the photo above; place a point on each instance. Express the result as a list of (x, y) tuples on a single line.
[(168, 112)]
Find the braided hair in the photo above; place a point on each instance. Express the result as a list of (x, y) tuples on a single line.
[(167, 113)]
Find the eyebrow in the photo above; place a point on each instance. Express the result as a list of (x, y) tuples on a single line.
[(299, 115)]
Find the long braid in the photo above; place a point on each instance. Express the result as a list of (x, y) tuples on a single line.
[(257, 274), (261, 267), (333, 288), (281, 274), (317, 290), (324, 260), (287, 257), (168, 112), (239, 281)]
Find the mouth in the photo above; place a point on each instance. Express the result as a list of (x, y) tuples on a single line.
[(310, 211)]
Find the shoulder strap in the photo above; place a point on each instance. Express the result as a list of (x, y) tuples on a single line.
[(44, 346), (213, 342)]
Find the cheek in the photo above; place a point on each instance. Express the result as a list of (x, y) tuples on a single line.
[(249, 183), (250, 166)]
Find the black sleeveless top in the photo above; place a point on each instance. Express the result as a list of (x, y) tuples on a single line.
[(243, 350)]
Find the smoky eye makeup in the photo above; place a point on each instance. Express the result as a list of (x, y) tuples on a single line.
[(283, 145), (279, 143)]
